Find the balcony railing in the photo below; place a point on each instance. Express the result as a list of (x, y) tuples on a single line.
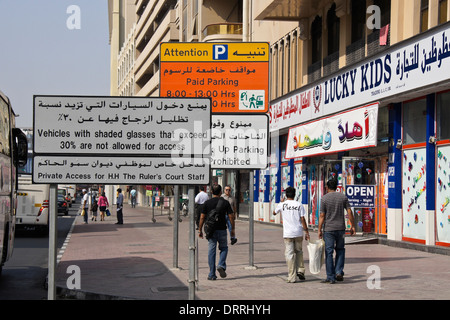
[(222, 30)]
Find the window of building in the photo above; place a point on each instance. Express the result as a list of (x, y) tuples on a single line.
[(274, 78), (333, 30), (414, 121), (423, 15), (358, 8), (443, 11), (288, 64), (280, 78), (184, 21), (316, 36), (443, 116), (385, 6)]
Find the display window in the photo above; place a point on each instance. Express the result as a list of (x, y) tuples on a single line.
[(443, 169)]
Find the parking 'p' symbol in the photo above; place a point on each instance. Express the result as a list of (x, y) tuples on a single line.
[(220, 52)]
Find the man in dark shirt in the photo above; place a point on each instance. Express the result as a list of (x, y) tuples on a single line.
[(333, 206), (220, 233)]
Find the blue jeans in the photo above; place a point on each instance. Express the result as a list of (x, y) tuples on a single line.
[(86, 214), (229, 226), (220, 237), (334, 240)]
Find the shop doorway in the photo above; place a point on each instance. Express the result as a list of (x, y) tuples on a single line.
[(318, 175), (366, 184), (367, 180)]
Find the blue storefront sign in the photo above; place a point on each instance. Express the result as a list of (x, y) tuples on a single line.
[(361, 196)]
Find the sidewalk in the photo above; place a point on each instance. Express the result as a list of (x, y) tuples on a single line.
[(135, 261)]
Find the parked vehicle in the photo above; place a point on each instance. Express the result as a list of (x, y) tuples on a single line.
[(32, 205), (70, 192), (68, 199), (62, 205)]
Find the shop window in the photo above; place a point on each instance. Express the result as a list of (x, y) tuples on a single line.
[(443, 116), (414, 121)]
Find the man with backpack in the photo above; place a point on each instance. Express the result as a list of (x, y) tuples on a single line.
[(213, 218)]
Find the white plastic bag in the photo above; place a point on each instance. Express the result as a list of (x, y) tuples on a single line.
[(316, 251)]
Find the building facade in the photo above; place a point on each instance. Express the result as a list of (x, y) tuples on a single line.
[(137, 27), (358, 92)]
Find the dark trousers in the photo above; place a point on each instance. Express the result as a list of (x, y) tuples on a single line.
[(119, 215), (86, 214)]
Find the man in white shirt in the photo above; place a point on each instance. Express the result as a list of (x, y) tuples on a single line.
[(200, 199), (85, 205), (294, 224)]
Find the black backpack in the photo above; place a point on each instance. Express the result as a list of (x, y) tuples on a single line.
[(212, 219)]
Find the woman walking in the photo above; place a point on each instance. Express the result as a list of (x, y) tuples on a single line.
[(103, 204)]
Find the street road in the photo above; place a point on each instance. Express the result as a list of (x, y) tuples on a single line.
[(24, 275)]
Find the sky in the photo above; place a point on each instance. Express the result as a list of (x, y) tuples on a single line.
[(49, 47)]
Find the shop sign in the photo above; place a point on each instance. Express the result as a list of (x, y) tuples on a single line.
[(348, 130), (234, 75), (361, 196), (415, 63)]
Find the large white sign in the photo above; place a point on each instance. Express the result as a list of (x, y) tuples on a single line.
[(121, 125), (239, 141), (130, 140), (418, 62), (123, 170), (349, 130)]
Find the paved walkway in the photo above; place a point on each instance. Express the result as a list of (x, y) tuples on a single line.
[(135, 261)]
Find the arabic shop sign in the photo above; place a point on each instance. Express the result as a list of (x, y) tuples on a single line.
[(353, 129), (417, 62), (234, 75), (85, 139)]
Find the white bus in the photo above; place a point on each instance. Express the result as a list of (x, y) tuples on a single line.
[(13, 153)]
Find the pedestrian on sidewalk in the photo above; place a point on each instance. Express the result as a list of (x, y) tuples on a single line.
[(200, 199), (294, 225), (220, 232), (85, 205), (332, 229), (133, 197), (119, 206), (103, 204), (227, 196), (94, 209)]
